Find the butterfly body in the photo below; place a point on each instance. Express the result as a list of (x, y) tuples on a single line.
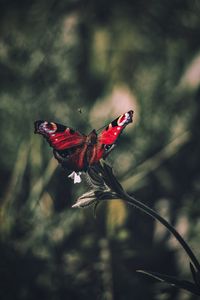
[(76, 151)]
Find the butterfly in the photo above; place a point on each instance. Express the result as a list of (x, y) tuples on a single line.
[(76, 151)]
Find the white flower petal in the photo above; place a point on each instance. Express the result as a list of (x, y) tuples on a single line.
[(75, 176)]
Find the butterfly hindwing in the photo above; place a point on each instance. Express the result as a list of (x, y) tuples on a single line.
[(59, 136), (73, 158)]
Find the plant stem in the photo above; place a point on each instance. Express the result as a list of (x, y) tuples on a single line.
[(132, 201)]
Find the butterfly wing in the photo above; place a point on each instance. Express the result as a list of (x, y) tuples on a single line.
[(59, 136), (72, 159), (110, 134), (107, 138)]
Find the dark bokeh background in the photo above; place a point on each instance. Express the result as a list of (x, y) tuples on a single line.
[(103, 57)]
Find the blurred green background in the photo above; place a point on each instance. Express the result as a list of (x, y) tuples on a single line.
[(103, 57)]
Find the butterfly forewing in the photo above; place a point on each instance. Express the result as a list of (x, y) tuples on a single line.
[(59, 136), (110, 134), (107, 138)]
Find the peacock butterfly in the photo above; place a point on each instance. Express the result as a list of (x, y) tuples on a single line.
[(76, 151)]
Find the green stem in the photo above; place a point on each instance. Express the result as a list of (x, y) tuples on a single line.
[(157, 217)]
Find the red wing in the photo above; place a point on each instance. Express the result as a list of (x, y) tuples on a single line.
[(73, 158), (110, 134), (107, 138), (59, 136)]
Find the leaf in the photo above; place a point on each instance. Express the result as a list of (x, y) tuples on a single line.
[(110, 179), (183, 284), (94, 179), (105, 195), (85, 200), (195, 274)]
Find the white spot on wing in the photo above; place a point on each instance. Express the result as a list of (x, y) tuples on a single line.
[(125, 117)]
